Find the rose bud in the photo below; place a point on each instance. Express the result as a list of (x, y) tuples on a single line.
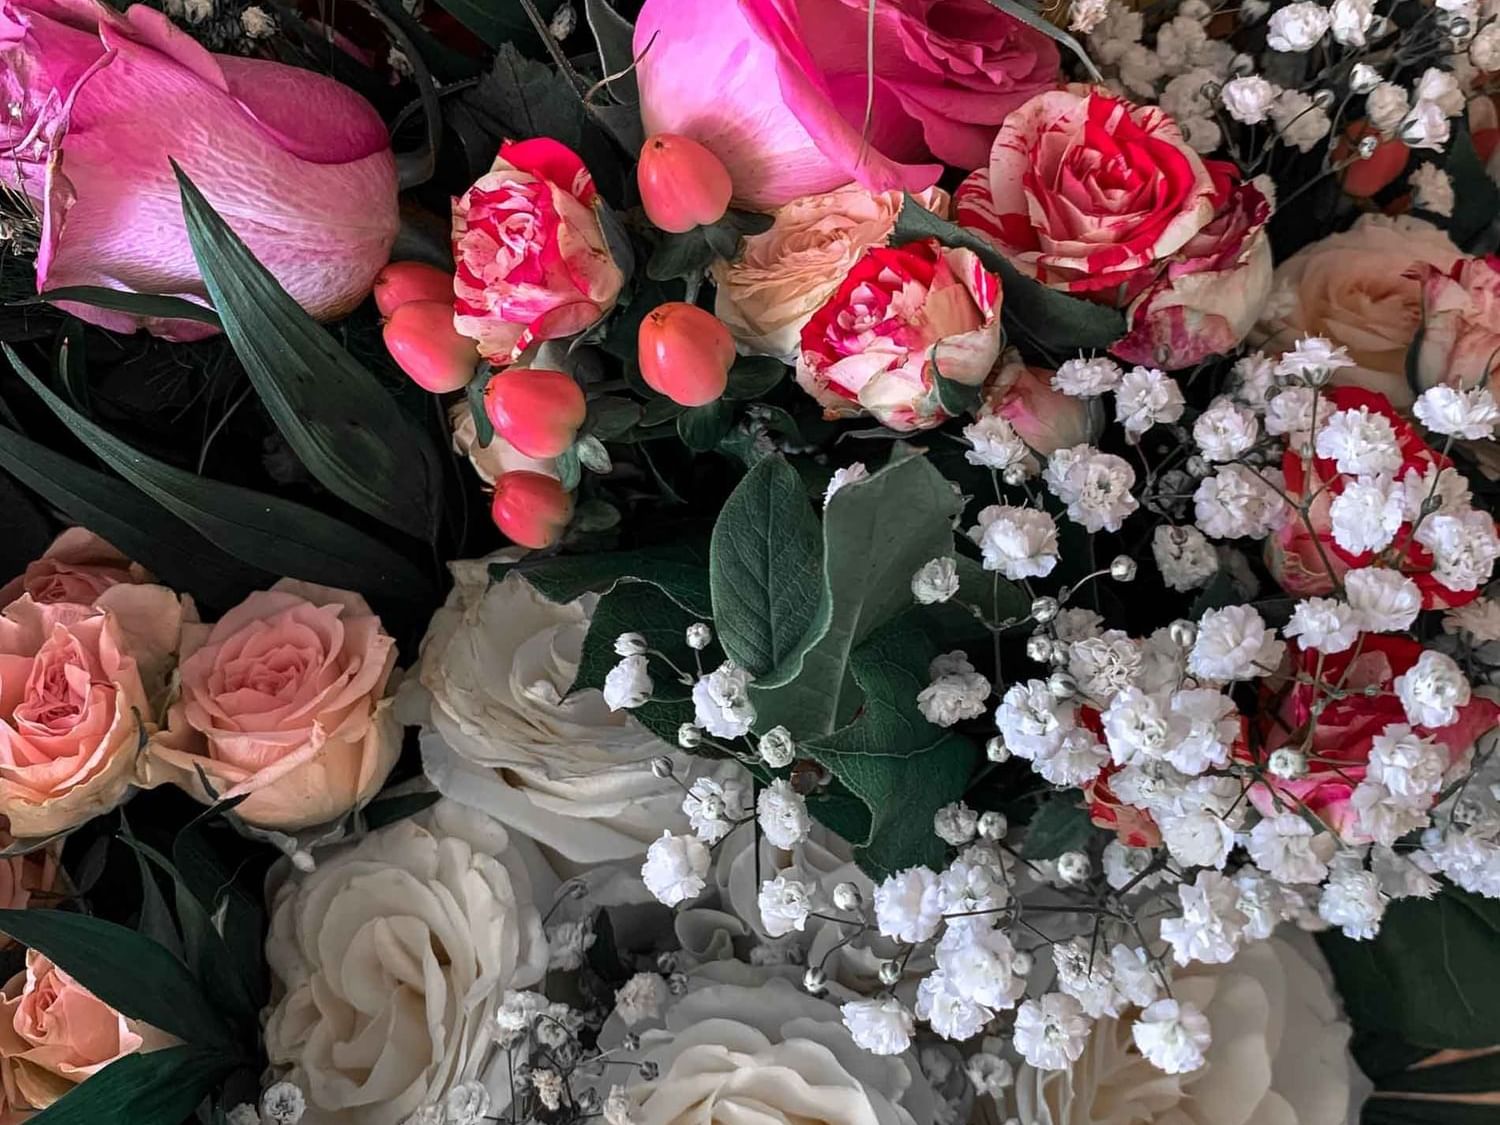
[(422, 340), (536, 410), (685, 353), (683, 185), (531, 509), (403, 282)]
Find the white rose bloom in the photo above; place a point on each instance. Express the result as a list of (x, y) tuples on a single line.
[(1184, 556), (1324, 624), (1432, 690), (389, 961), (675, 868), (721, 701), (501, 732), (1018, 542), (1146, 397), (1225, 430), (1233, 643), (1484, 50), (1367, 514), (1470, 414), (1248, 99), (1350, 20), (1386, 601), (1237, 502), (1278, 1053), (880, 1026), (1298, 27)]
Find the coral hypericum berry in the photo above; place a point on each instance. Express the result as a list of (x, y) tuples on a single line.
[(402, 282), (531, 509), (536, 410), (422, 340), (683, 185), (685, 353)]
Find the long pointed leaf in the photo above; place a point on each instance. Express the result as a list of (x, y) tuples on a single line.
[(344, 426), (151, 1088), (137, 304)]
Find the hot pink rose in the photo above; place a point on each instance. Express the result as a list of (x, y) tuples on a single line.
[(299, 165), (54, 1034), (1044, 418), (78, 691), (777, 89), (77, 567), (533, 261), (1207, 298), (288, 692), (1089, 194), (1460, 323), (902, 313)]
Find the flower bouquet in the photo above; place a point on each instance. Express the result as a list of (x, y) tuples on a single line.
[(916, 562)]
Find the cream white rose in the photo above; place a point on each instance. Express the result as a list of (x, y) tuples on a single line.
[(390, 959)]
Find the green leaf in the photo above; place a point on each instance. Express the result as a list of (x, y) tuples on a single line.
[(660, 411), (1475, 224), (340, 421), (1477, 1075), (610, 417), (678, 569), (137, 304), (269, 533), (230, 888), (128, 971), (484, 429), (497, 21), (680, 255), (592, 455), (1381, 1110), (147, 1088), (890, 669), (1055, 322), (388, 810), (765, 567), (1060, 825), (156, 918), (955, 398), (568, 468), (614, 35), (1038, 22), (753, 376), (701, 428)]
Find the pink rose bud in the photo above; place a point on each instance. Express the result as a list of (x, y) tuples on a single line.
[(402, 282), (536, 410), (531, 509), (422, 340), (683, 185), (685, 353)]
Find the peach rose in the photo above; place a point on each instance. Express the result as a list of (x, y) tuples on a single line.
[(1044, 418), (54, 1034), (288, 694), (78, 692), (77, 567), (22, 876), (1358, 289), (789, 272)]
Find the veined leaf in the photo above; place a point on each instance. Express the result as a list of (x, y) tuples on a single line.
[(147, 1088), (137, 304)]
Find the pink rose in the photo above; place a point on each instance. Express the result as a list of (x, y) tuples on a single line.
[(54, 1034), (288, 694), (776, 89), (299, 165), (1461, 322), (533, 261), (1042, 416), (1089, 194), (78, 691), (35, 873), (77, 567), (1207, 298), (901, 314)]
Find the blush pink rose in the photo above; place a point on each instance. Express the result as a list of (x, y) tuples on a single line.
[(79, 690), (77, 567), (24, 877), (1042, 416), (777, 89), (532, 259), (287, 693), (1089, 194), (1210, 293), (901, 314), (54, 1034), (298, 165), (1461, 322)]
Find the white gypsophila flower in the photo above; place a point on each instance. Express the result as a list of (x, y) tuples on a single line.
[(1287, 849), (1120, 27), (1385, 601), (1353, 901), (1237, 502), (1297, 27), (1479, 620), (1251, 379), (1140, 70), (1032, 720), (567, 942), (1018, 542), (721, 701), (1185, 97), (1087, 378), (713, 808), (630, 644), (1137, 725), (1408, 764), (952, 663), (1349, 20), (1195, 836), (641, 998), (1225, 430), (1468, 859), (963, 889), (1134, 976), (698, 636), (1201, 132), (628, 684), (1432, 190), (784, 905), (1211, 923), (467, 1103), (1289, 413), (1248, 99), (243, 1114), (990, 1074), (548, 1086), (906, 906), (1095, 486), (1432, 690), (850, 474), (1146, 397), (1300, 121), (1234, 643), (1264, 902), (1179, 42), (1464, 547), (776, 747), (955, 823), (1313, 359), (1172, 1035), (283, 1103), (995, 443), (1470, 414), (1086, 975), (1366, 515), (1184, 556), (948, 1011), (1050, 1032), (1122, 864), (881, 1026), (1085, 15), (1104, 664), (1205, 724), (1077, 624), (1363, 78), (1076, 759), (675, 869), (1445, 489), (935, 581), (1359, 442), (257, 23), (1386, 107), (1383, 817), (1403, 874), (956, 692), (1439, 87), (1324, 624), (782, 814)]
